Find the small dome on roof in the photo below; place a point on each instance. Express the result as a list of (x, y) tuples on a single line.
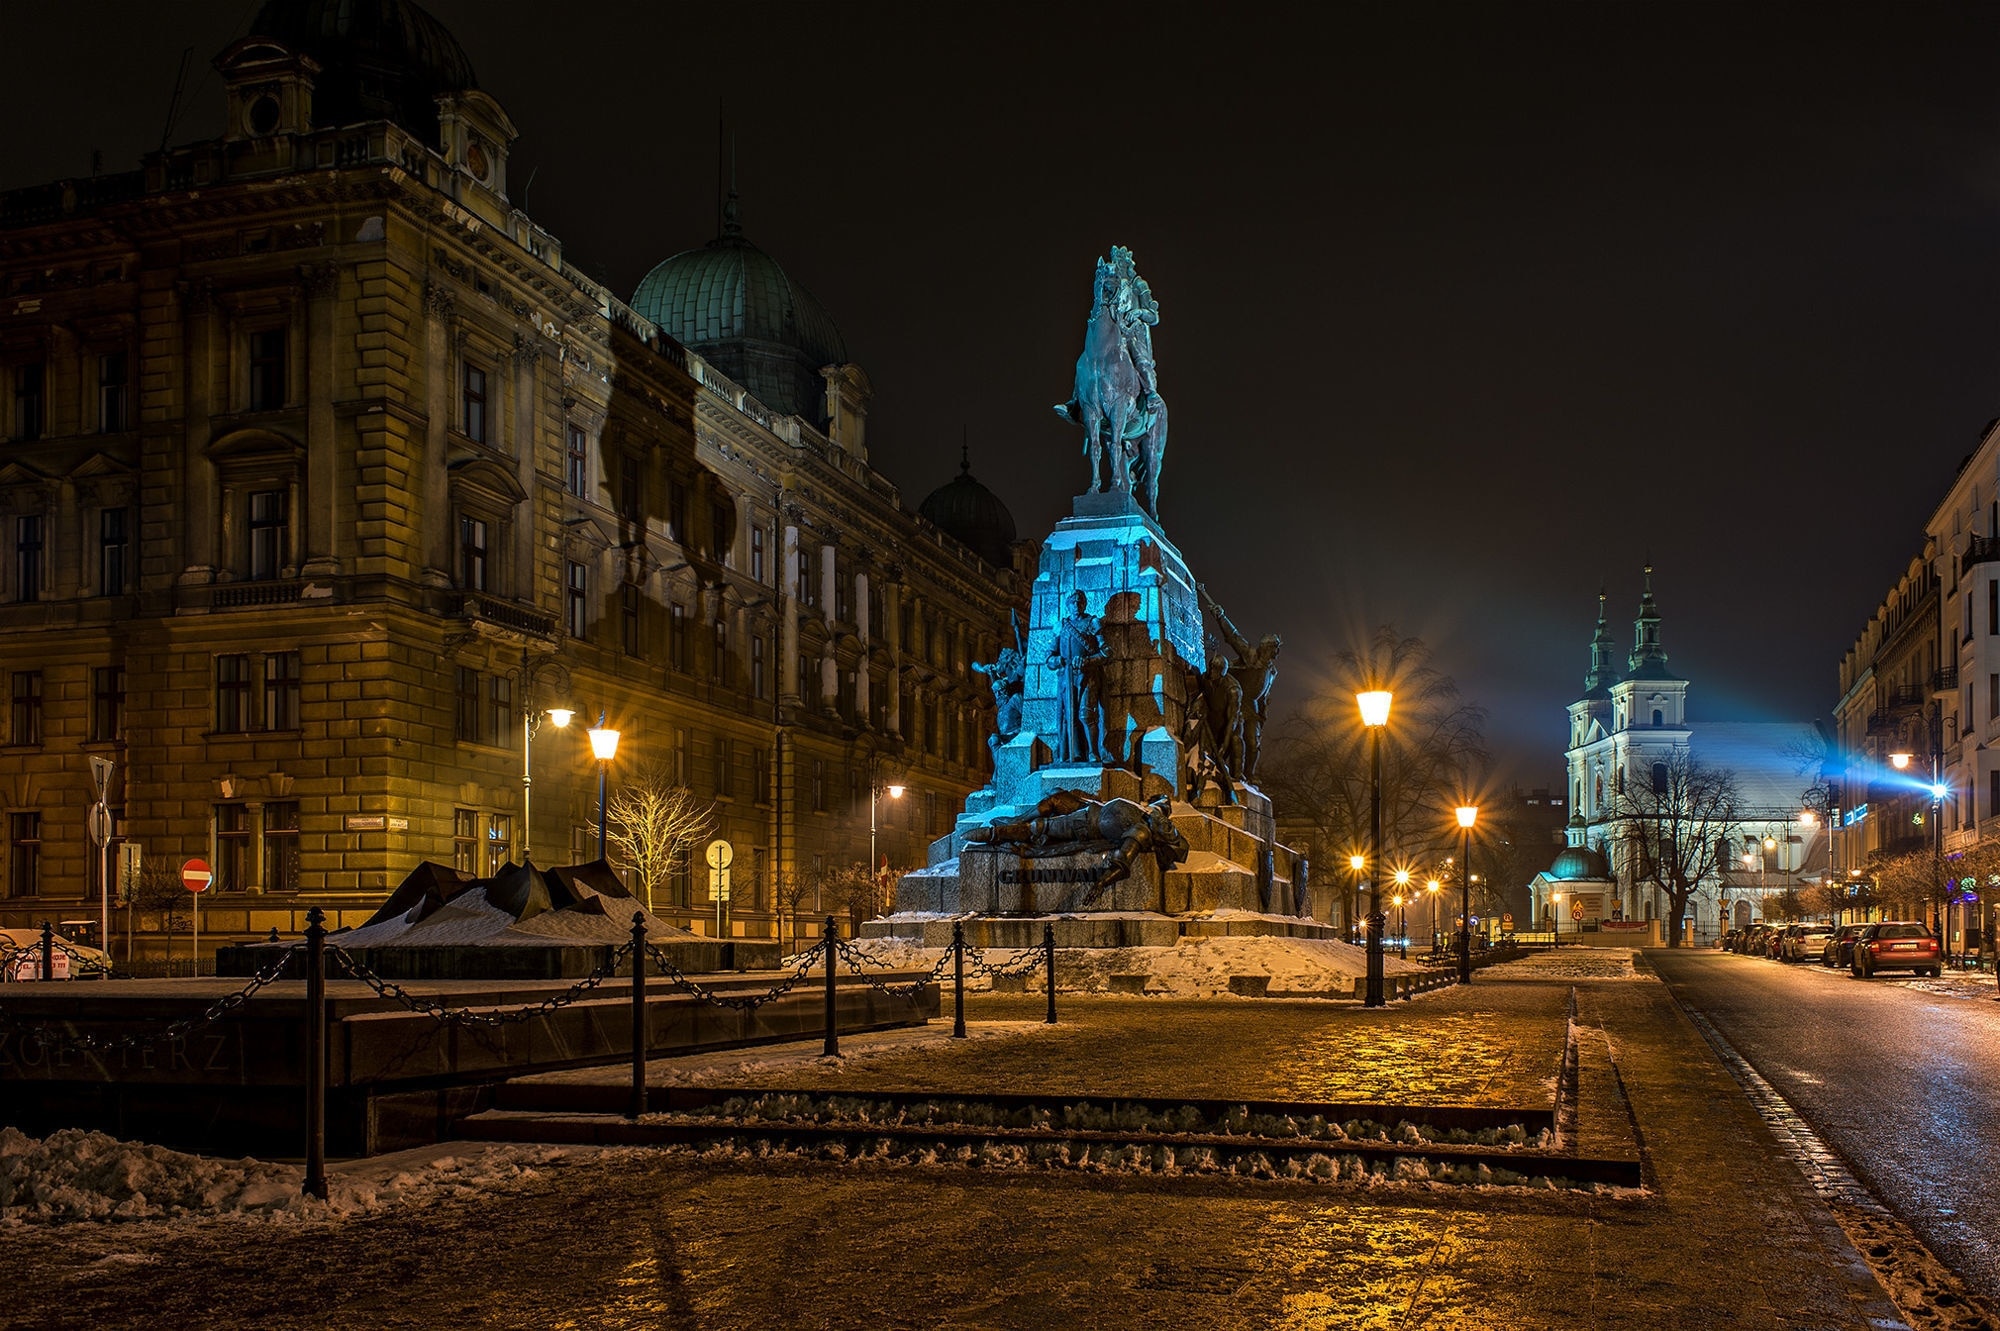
[(733, 304), (967, 510), (1579, 863), (379, 59)]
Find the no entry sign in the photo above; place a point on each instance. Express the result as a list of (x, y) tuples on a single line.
[(195, 875)]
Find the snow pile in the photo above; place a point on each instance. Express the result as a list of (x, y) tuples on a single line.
[(74, 1175), (1568, 963), (1194, 968)]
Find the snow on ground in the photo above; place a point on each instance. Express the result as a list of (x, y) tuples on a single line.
[(1194, 968), (74, 1175), (1568, 963)]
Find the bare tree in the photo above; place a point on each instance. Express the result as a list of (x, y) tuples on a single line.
[(655, 824), (1317, 772), (161, 891), (828, 888), (1677, 821)]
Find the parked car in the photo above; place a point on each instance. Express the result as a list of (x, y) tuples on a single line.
[(1774, 942), (21, 957), (1805, 942), (1728, 940), (1839, 950), (1895, 945)]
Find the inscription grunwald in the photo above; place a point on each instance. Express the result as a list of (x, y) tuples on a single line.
[(1016, 877)]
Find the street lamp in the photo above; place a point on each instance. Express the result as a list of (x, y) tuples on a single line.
[(1374, 705), (895, 792), (1431, 890), (1556, 912), (1402, 918), (1937, 869), (530, 673), (603, 747), (1402, 921), (1468, 814)]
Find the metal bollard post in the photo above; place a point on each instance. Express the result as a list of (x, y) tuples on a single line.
[(958, 992), (274, 935), (832, 1048), (48, 951), (1049, 964), (639, 1041), (315, 1185)]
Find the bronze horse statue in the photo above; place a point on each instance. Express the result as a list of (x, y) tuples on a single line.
[(1106, 398)]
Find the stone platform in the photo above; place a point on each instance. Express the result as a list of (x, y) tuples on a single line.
[(1092, 930)]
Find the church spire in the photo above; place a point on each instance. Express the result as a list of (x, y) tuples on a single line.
[(1603, 659), (1646, 649)]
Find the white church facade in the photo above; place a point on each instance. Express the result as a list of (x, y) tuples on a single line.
[(1631, 726)]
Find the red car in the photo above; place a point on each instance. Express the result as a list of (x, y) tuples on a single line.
[(1895, 945)]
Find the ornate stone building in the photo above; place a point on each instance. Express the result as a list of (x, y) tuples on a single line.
[(325, 476)]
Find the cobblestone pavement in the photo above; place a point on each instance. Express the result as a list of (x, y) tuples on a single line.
[(1729, 1234)]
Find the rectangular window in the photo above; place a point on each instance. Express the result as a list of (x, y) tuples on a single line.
[(24, 854), (281, 846), (473, 402), (842, 599), (760, 775), (721, 522), (113, 544), (757, 667), (719, 662), (677, 511), (232, 693), (267, 370), (28, 558), (808, 584), (281, 691), (576, 587), (1993, 698), (232, 848), (628, 617), (677, 637), (26, 722), (29, 417), (269, 530), (631, 503), (107, 704), (683, 757), (725, 764), (575, 459), (757, 555), (111, 414), (499, 842), (500, 725), (472, 554), (466, 723), (1992, 606), (465, 840)]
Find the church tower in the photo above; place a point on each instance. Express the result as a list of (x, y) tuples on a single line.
[(1650, 697)]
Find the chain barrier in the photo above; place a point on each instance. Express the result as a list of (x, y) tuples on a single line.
[(801, 966), (855, 957), (460, 1016), (1019, 968), (49, 1037), (14, 954)]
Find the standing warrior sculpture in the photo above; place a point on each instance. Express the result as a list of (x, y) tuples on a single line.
[(1117, 397), (1255, 673), (1080, 654)]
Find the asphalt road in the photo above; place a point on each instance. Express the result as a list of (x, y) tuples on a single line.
[(1903, 1083)]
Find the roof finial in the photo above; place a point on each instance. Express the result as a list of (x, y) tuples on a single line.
[(965, 450), (732, 218)]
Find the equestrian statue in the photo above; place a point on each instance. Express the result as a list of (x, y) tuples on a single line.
[(1117, 398)]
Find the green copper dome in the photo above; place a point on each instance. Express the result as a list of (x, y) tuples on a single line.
[(733, 304), (1580, 864), (967, 510), (379, 59)]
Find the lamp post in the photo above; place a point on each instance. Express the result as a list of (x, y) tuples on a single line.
[(1555, 912), (1431, 890), (603, 747), (1355, 863), (531, 672), (1402, 912), (894, 791), (1374, 715), (1468, 814), (1937, 869)]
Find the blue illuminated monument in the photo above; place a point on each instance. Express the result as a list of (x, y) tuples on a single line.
[(1123, 804)]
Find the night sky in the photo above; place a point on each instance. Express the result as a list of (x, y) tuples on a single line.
[(1463, 310)]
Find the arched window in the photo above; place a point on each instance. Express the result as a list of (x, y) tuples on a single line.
[(1659, 778), (1659, 717)]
